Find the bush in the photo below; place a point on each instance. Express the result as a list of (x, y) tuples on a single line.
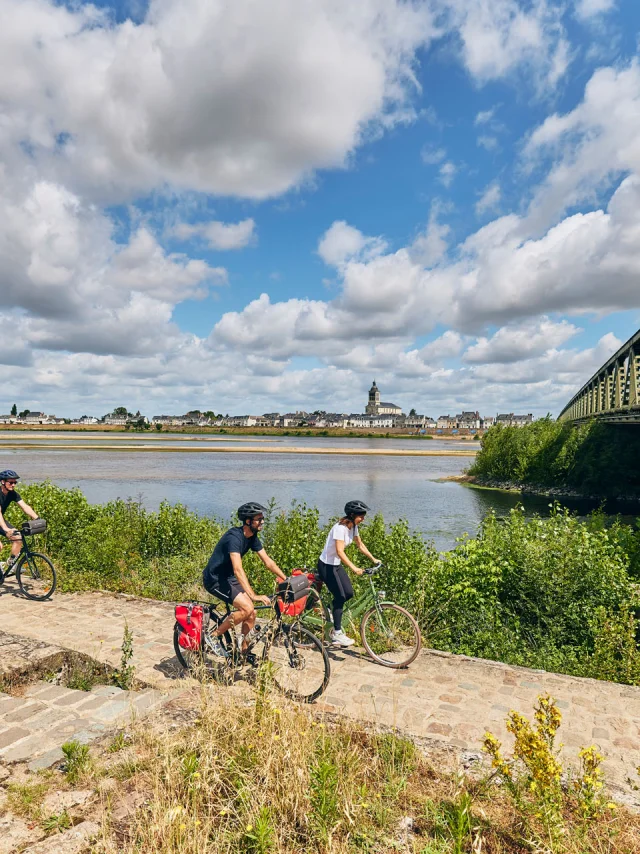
[(594, 458)]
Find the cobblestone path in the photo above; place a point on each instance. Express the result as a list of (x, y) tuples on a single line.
[(444, 698)]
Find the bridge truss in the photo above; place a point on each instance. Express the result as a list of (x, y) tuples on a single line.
[(613, 392)]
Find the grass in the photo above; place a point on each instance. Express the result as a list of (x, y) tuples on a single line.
[(280, 780)]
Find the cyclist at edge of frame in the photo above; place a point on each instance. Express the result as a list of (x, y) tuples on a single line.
[(330, 564), (225, 578), (8, 494)]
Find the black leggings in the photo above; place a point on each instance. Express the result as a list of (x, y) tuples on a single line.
[(340, 587)]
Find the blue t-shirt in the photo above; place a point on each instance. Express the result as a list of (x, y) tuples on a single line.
[(233, 542)]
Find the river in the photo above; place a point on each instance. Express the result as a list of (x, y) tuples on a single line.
[(158, 467)]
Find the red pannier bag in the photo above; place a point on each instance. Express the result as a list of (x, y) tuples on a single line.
[(190, 618), (295, 608)]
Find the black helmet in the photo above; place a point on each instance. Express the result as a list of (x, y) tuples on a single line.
[(9, 474), (249, 510), (355, 508)]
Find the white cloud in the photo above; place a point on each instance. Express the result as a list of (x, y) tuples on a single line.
[(447, 173), (484, 116), (490, 199), (489, 143), (586, 9), (500, 36), (518, 342), (219, 235), (431, 246), (592, 146), (431, 155), (342, 243), (239, 98)]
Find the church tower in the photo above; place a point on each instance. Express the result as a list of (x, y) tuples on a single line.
[(374, 400)]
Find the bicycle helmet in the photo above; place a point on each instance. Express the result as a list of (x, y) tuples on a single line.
[(9, 474), (249, 510), (355, 508)]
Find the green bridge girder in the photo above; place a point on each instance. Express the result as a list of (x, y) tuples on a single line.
[(613, 392)]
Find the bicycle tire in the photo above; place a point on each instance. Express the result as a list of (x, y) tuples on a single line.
[(283, 671), (36, 593), (382, 647)]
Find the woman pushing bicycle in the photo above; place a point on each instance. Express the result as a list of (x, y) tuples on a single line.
[(330, 564)]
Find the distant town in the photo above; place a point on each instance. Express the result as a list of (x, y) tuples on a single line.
[(378, 415)]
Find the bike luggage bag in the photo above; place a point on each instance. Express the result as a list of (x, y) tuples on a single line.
[(190, 619), (33, 527), (293, 588), (296, 606)]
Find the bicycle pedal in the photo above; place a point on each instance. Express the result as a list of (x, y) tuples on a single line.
[(251, 659)]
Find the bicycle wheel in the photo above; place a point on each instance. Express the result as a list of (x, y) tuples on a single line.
[(201, 663), (390, 635), (298, 663), (36, 576)]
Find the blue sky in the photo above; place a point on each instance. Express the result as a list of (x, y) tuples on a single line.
[(221, 206)]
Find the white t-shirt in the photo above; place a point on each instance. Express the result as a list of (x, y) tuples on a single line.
[(338, 532)]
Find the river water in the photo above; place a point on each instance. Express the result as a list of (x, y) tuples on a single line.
[(216, 483)]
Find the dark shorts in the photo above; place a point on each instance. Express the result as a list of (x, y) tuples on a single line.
[(226, 588)]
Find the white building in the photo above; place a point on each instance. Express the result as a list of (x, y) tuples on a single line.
[(446, 422), (376, 407)]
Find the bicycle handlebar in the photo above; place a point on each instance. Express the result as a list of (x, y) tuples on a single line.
[(373, 569)]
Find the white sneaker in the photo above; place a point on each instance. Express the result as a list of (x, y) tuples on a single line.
[(341, 639)]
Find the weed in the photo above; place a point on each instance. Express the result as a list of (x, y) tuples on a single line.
[(25, 799), (77, 759), (124, 676), (259, 834), (57, 823), (118, 743)]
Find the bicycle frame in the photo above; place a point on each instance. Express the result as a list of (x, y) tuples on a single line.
[(24, 550), (265, 636), (354, 609)]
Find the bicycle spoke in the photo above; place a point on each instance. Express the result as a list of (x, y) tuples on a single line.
[(298, 664), (36, 576)]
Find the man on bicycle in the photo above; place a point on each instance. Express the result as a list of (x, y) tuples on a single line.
[(225, 578), (9, 495)]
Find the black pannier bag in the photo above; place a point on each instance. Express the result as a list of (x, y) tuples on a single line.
[(293, 588), (33, 527)]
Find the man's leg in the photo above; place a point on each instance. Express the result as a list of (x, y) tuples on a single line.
[(16, 546), (244, 614)]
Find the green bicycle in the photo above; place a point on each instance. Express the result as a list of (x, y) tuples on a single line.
[(390, 635)]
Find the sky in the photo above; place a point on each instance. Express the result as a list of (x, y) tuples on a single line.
[(250, 207)]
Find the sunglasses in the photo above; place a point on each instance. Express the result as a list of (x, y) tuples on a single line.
[(13, 482)]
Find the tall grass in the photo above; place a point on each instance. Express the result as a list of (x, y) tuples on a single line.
[(555, 593)]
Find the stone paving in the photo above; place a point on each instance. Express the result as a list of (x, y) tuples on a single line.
[(443, 698), (34, 726)]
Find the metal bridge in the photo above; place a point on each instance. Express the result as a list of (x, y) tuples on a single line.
[(613, 392)]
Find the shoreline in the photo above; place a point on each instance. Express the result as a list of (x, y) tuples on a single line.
[(389, 452), (293, 432), (529, 489)]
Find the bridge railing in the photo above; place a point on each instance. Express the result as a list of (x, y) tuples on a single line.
[(613, 392)]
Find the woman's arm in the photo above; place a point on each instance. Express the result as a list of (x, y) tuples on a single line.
[(365, 551), (345, 560)]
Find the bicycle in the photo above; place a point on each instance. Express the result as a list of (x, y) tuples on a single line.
[(34, 572), (297, 661), (390, 635)]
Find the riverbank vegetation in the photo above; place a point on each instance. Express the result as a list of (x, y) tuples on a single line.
[(594, 459), (555, 593)]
